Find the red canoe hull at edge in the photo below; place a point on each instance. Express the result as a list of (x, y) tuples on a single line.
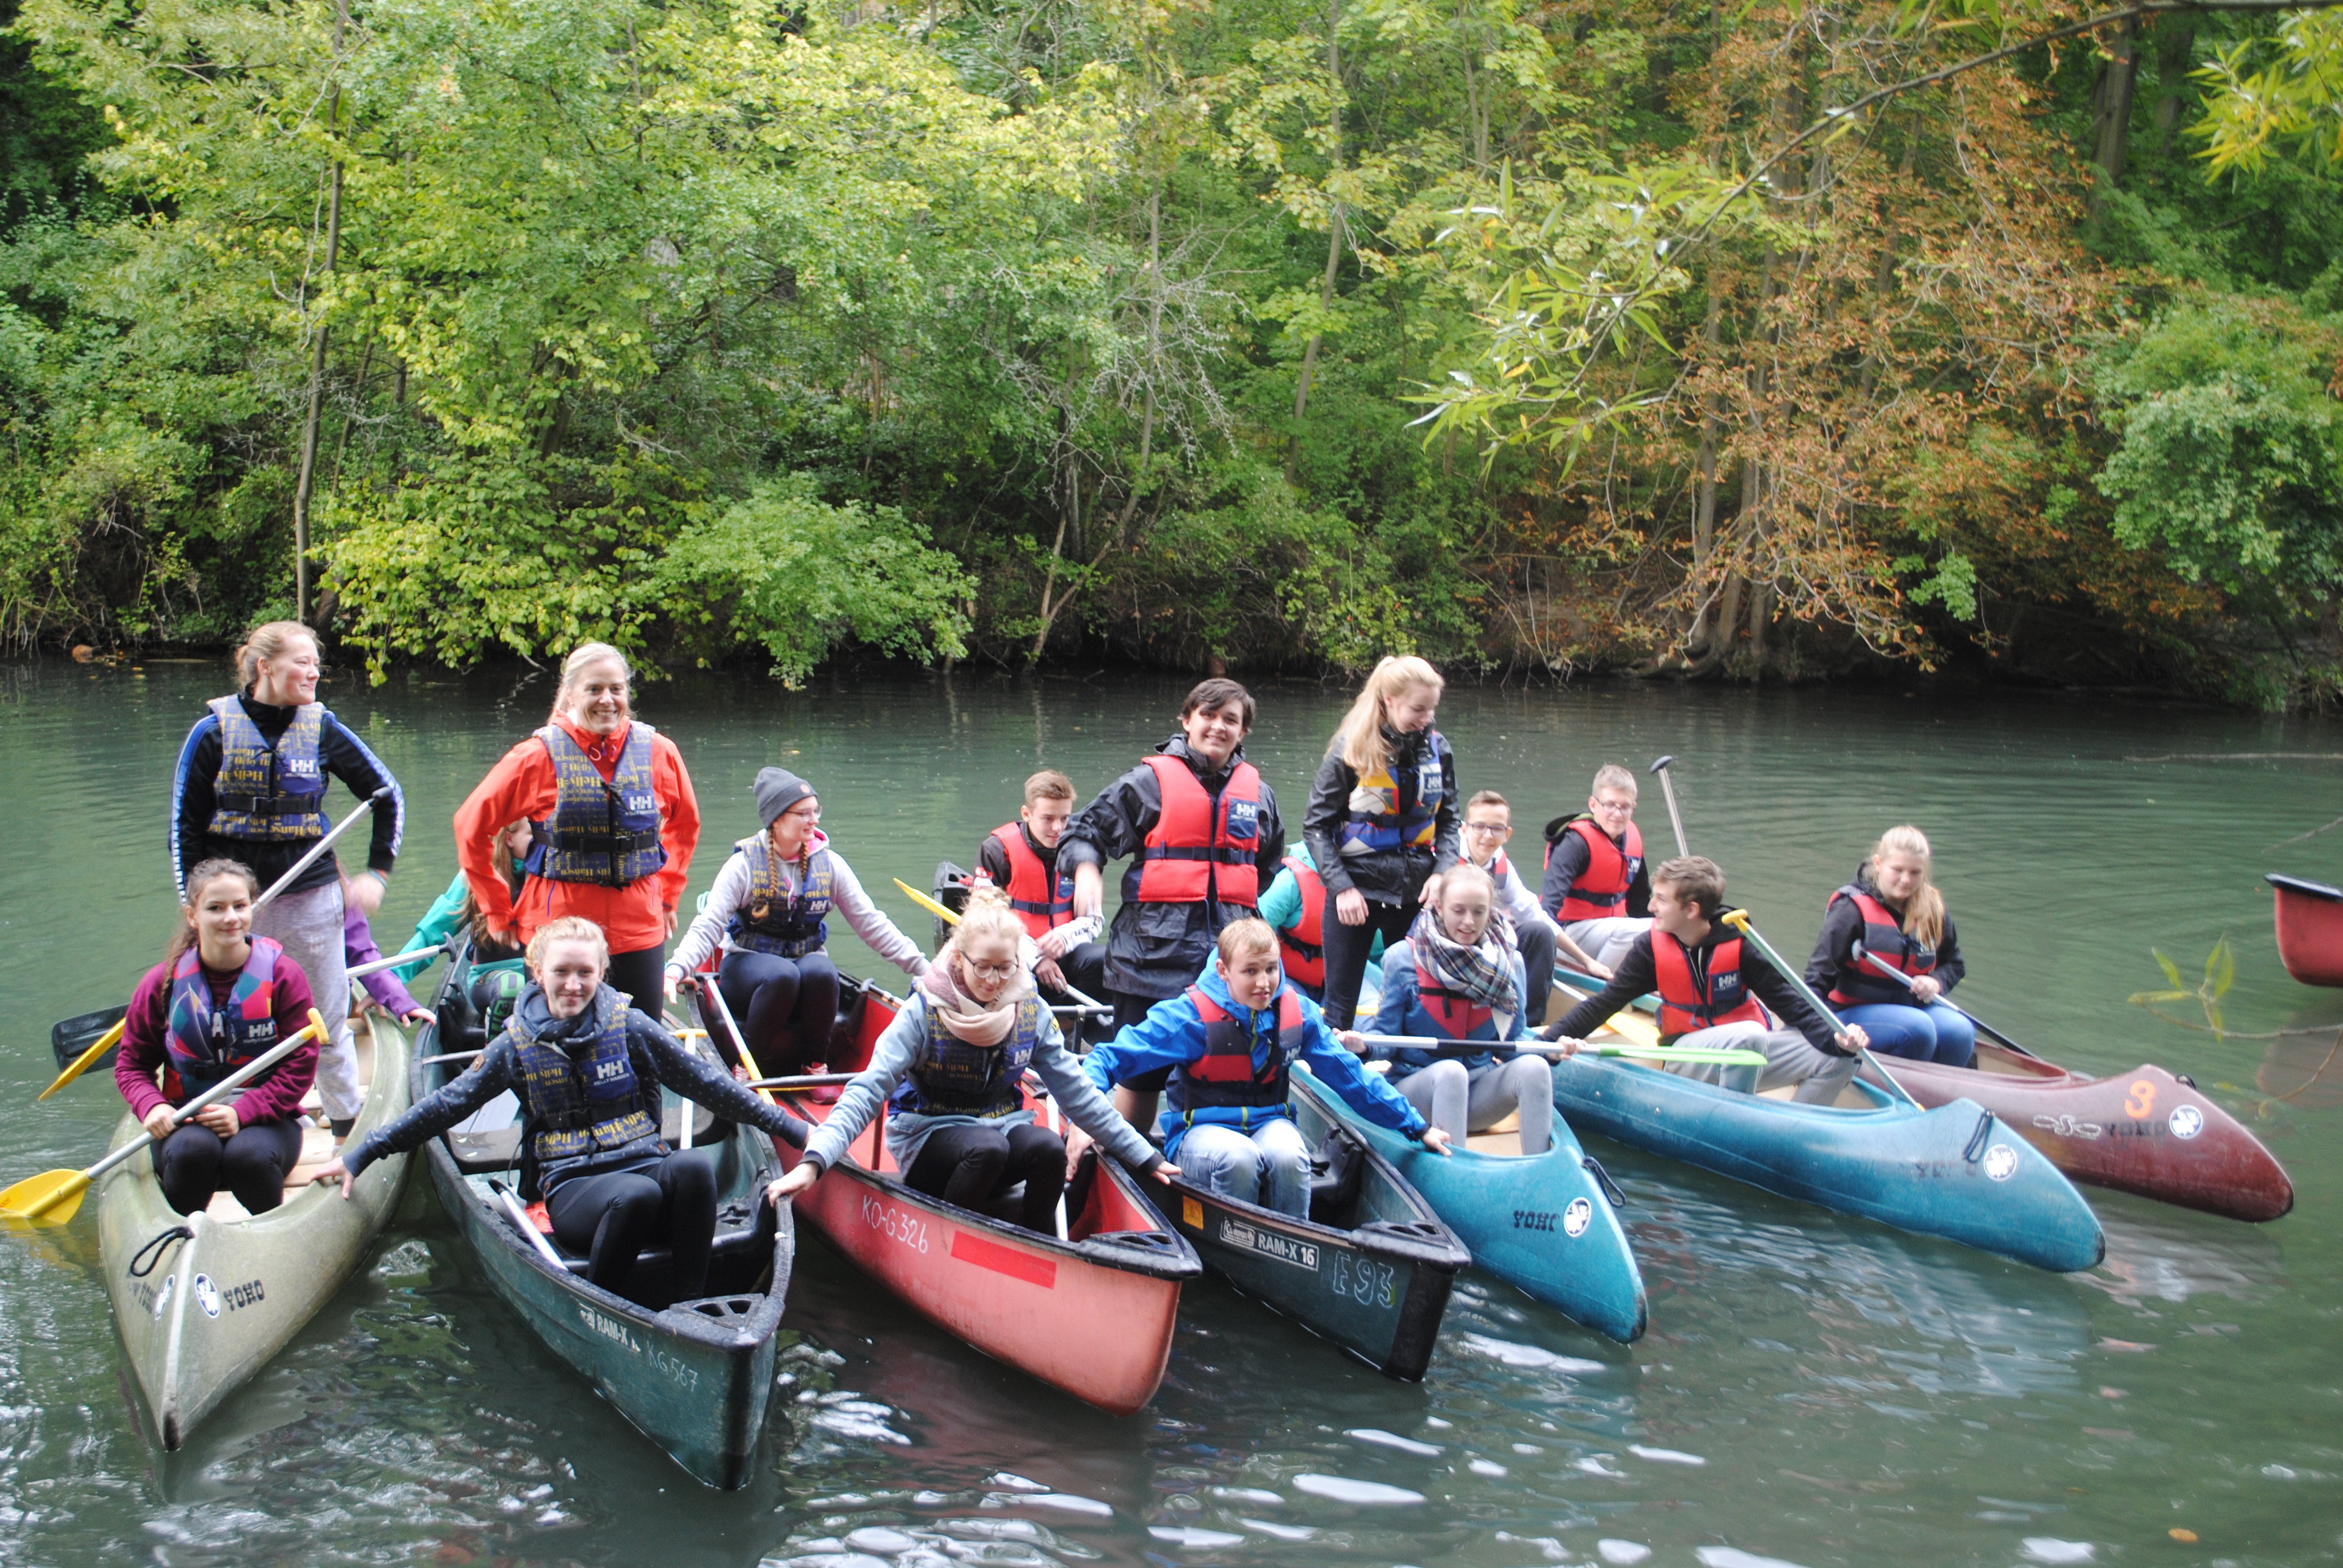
[(2125, 1132), (2310, 936)]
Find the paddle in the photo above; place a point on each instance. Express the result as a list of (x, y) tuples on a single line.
[(1739, 921), (1632, 1025), (1676, 818), (1724, 1056), (1090, 1004), (113, 1037), (54, 1197), (714, 996), (1881, 966)]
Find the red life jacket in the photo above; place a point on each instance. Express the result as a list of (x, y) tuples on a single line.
[(1302, 950), (1684, 1005), (1454, 1014), (1224, 1076), (1199, 847), (1043, 903), (1600, 892), (1883, 936)]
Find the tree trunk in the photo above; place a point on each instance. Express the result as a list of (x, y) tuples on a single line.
[(1704, 505), (1333, 239), (2175, 43), (309, 474), (2115, 111)]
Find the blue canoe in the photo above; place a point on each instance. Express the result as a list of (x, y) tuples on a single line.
[(1537, 1221), (1955, 1171)]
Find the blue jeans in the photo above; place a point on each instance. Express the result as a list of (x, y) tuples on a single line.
[(1936, 1033), (1270, 1168)]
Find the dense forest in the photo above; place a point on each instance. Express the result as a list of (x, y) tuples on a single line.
[(1534, 338)]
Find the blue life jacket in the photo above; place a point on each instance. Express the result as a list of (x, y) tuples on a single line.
[(269, 794), (606, 834), (1410, 816), (589, 1107), (1225, 1077), (952, 1078), (204, 1043), (775, 921)]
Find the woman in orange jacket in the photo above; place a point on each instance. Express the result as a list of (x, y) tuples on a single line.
[(614, 822)]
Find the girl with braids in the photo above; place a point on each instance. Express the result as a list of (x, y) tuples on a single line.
[(769, 911), (948, 1069), (613, 825), (1897, 913)]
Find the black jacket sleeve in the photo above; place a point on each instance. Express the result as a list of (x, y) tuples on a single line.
[(1636, 976), (1273, 841), (1115, 823), (1322, 819), (192, 797), (695, 1077), (1772, 986), (496, 1070), (1447, 836), (993, 860), (1950, 970), (1563, 872), (1639, 891), (1835, 946)]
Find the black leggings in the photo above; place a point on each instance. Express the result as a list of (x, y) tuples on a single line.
[(195, 1163), (613, 1215), (785, 1007), (640, 974), (970, 1165), (1346, 953)]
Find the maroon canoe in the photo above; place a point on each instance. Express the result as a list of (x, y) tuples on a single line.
[(1092, 1314), (2310, 929), (2144, 1132)]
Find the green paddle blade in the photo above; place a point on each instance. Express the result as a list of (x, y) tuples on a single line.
[(1719, 1056), (51, 1198)]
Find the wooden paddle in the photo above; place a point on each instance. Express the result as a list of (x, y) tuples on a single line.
[(1739, 921), (1090, 1004), (1715, 1055), (54, 1197), (113, 1037), (1882, 967)]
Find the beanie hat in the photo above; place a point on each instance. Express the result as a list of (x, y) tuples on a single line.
[(777, 789)]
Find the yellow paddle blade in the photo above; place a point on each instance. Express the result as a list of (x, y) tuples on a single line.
[(1635, 1029), (105, 1042), (51, 1198), (928, 903)]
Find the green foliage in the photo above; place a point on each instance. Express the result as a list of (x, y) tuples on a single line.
[(2220, 974)]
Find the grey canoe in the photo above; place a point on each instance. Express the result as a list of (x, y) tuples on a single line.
[(204, 1301)]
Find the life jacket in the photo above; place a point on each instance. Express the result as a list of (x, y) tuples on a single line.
[(1041, 902), (1883, 936), (951, 1076), (1444, 1014), (269, 794), (1302, 948), (593, 1106), (606, 834), (1412, 820), (1600, 892), (1195, 835), (1685, 1005), (775, 921), (203, 1043), (1224, 1076)]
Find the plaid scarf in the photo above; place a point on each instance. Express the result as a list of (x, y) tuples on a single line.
[(1483, 972)]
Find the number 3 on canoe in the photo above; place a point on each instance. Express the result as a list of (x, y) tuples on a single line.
[(2141, 1103)]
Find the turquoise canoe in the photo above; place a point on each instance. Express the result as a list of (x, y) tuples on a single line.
[(1955, 1171), (1539, 1222)]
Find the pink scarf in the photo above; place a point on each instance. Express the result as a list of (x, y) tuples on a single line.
[(961, 1014)]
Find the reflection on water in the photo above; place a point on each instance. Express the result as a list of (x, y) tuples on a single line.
[(1813, 1391)]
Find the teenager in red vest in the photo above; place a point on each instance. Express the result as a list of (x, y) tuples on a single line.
[(1896, 914), (1597, 888), (1711, 984), (1021, 858), (1201, 827)]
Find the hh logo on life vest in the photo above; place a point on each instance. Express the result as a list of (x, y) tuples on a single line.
[(639, 805), (1244, 820), (300, 767), (603, 1071)]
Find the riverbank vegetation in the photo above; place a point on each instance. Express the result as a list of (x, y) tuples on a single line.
[(1277, 332)]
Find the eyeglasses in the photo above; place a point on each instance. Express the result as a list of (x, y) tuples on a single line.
[(1490, 830), (990, 971), (1615, 808), (804, 813)]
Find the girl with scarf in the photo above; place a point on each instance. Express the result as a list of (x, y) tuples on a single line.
[(1458, 976), (951, 1069)]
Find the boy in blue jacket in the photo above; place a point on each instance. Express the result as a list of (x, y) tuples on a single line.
[(1234, 1036)]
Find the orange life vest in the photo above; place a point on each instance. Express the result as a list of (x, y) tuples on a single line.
[(1884, 939), (1200, 847), (1041, 902), (1600, 892), (1302, 950), (1685, 1006)]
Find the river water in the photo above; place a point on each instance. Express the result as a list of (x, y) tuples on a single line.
[(1814, 1390)]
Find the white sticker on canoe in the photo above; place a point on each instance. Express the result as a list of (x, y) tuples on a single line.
[(208, 1295), (2001, 1162), (1577, 1217), (2186, 1121), (163, 1296), (1269, 1244)]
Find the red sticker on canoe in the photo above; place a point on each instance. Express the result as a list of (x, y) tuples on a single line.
[(970, 1248)]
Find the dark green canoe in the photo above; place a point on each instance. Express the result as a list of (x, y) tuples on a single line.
[(695, 1378), (1371, 1266)]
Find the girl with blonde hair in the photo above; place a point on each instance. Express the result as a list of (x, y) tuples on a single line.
[(251, 787), (950, 1070), (1893, 911), (1381, 820), (614, 822)]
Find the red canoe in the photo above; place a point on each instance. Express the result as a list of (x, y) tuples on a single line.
[(2310, 929), (1092, 1314), (2143, 1132)]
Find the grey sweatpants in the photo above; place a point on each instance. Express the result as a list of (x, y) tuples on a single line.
[(1789, 1059), (1458, 1102), (1606, 940), (309, 927)]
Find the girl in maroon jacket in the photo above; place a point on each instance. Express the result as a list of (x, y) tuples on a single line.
[(220, 998)]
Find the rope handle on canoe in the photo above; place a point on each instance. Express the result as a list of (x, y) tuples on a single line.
[(1976, 1150), (1603, 1180), (143, 1261)]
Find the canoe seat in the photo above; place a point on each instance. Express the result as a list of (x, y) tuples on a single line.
[(1337, 1173), (1507, 1143), (736, 1232), (1510, 1122), (488, 1140)]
